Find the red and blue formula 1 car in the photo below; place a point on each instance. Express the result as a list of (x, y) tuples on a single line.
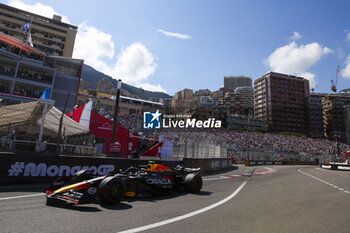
[(156, 179)]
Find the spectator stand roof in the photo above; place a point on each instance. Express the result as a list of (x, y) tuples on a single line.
[(20, 44), (27, 117)]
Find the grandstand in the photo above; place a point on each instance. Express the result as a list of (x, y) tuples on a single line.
[(26, 72), (241, 143)]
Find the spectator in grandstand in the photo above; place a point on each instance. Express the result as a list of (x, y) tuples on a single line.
[(248, 141), (14, 49)]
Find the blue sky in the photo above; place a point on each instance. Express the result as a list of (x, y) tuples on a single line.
[(171, 45)]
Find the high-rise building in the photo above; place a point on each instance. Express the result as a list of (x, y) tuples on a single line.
[(281, 100), (219, 95), (240, 102), (232, 82), (50, 36), (183, 100), (246, 96), (316, 115), (334, 116), (185, 94), (202, 92)]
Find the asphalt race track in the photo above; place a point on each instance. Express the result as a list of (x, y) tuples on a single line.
[(248, 199)]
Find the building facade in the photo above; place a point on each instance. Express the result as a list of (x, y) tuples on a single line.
[(281, 101), (183, 100), (347, 124), (25, 73), (219, 95), (316, 115), (232, 82), (334, 116), (201, 93), (185, 94), (104, 103), (166, 105), (247, 123), (50, 36), (240, 102), (203, 113)]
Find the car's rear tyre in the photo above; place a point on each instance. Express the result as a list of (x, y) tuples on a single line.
[(111, 190), (193, 183)]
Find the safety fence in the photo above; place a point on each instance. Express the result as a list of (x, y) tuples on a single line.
[(292, 158), (199, 150), (26, 146)]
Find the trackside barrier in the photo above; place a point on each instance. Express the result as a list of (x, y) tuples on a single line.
[(340, 167), (15, 168), (208, 165), (257, 163)]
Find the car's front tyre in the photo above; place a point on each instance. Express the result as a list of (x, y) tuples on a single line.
[(111, 190)]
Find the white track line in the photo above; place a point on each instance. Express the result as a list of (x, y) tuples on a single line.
[(162, 223), (23, 196), (323, 181)]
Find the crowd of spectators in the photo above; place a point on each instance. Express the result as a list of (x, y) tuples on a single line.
[(4, 88), (27, 91), (15, 50), (34, 75), (7, 69), (255, 141), (131, 122), (238, 140)]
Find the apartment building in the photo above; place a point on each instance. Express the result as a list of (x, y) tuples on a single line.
[(49, 35), (281, 100)]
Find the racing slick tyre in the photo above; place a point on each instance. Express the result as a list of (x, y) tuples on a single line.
[(193, 183), (111, 190)]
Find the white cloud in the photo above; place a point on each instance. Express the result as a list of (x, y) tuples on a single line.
[(347, 37), (294, 59), (92, 44), (175, 35), (295, 36), (38, 8), (309, 76), (134, 65), (150, 87), (345, 73)]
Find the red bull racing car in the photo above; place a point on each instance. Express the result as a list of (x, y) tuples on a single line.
[(155, 179)]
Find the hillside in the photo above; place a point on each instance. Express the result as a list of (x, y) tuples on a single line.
[(92, 76)]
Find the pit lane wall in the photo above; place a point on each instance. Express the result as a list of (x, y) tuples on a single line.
[(16, 168)]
